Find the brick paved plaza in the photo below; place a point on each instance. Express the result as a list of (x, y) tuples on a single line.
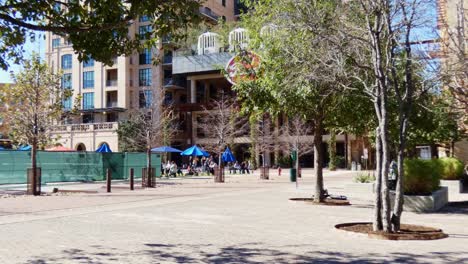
[(245, 220)]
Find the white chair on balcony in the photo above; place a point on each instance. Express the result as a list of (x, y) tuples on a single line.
[(208, 43), (238, 38), (268, 30)]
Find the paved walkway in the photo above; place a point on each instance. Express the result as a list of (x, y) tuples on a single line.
[(245, 220)]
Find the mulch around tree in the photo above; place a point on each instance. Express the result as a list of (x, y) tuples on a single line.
[(407, 232), (328, 201)]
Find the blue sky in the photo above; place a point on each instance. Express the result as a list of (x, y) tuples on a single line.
[(29, 47)]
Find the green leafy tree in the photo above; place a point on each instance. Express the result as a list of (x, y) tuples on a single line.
[(34, 105), (299, 73), (97, 28)]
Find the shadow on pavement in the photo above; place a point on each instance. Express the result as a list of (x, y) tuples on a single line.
[(243, 253)]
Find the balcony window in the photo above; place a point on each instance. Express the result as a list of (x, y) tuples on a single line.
[(145, 57), (88, 118), (144, 32), (88, 101), (144, 77), (200, 92), (167, 77), (55, 43), (111, 77), (167, 57), (112, 117), (67, 81), (145, 98), (66, 61), (111, 99), (88, 63), (88, 79)]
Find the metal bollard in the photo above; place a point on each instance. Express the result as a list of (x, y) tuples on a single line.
[(132, 179), (108, 180)]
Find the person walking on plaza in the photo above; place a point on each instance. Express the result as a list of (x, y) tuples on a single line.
[(167, 168), (279, 170), (212, 165), (173, 169)]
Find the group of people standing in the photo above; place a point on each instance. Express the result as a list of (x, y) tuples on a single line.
[(203, 165), (244, 167), (170, 169)]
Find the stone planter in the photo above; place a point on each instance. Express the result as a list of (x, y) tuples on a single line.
[(424, 203), (454, 186), (358, 187)]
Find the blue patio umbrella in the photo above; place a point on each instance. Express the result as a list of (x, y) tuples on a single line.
[(104, 148), (194, 151), (227, 156), (25, 148), (165, 149)]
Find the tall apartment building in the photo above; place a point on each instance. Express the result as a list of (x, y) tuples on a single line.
[(453, 27), (108, 92)]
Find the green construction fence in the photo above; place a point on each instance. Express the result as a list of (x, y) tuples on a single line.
[(74, 166)]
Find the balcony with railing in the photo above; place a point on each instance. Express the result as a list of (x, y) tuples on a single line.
[(185, 62), (107, 126), (111, 83), (175, 82), (208, 13)]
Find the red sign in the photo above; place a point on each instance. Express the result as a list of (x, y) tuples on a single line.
[(243, 67)]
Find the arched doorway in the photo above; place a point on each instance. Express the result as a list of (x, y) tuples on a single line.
[(81, 147)]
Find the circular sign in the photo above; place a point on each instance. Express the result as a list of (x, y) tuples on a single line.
[(244, 66)]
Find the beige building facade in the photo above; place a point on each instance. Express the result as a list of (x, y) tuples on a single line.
[(107, 93)]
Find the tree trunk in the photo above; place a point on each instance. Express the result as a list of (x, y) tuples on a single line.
[(399, 199), (318, 157), (377, 220), (386, 210), (148, 167), (34, 166)]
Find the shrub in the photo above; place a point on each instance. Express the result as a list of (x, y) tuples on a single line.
[(364, 178), (422, 177), (452, 168), (340, 161)]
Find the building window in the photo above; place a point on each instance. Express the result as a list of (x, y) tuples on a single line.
[(144, 18), (144, 31), (145, 98), (55, 43), (145, 77), (88, 79), (67, 103), (424, 152), (67, 81), (223, 2), (88, 63), (66, 61), (88, 101), (145, 57)]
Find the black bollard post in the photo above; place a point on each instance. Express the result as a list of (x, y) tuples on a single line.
[(132, 179), (108, 180)]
